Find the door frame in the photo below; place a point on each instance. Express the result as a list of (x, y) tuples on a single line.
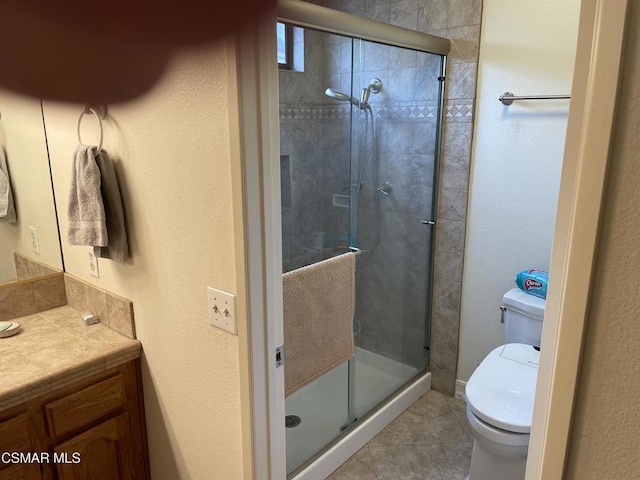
[(589, 128), (256, 176), (589, 132)]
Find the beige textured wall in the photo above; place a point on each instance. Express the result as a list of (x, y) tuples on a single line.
[(22, 138), (174, 165), (605, 441)]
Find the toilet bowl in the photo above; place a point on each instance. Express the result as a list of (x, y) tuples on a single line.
[(500, 396)]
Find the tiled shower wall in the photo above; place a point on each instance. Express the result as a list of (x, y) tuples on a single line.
[(324, 139), (319, 141), (391, 283), (458, 20), (315, 138)]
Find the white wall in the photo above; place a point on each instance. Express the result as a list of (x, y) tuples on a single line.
[(525, 48), (173, 160), (22, 137)]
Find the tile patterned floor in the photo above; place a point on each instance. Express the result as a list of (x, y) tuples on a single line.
[(431, 440)]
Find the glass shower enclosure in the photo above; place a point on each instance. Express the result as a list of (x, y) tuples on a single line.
[(360, 127)]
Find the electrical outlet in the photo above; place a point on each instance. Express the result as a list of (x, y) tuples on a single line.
[(35, 244), (222, 310), (94, 271)]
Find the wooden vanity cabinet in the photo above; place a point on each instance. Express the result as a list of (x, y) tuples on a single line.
[(92, 430), (16, 438), (105, 452)]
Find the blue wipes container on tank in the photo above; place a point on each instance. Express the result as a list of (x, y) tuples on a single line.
[(533, 282)]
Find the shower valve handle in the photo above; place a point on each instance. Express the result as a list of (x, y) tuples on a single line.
[(385, 189)]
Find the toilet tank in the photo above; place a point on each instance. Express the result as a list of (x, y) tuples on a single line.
[(522, 317)]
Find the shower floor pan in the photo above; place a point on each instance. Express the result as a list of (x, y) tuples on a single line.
[(322, 405)]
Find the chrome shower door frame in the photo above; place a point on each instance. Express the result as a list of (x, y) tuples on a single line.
[(431, 223)]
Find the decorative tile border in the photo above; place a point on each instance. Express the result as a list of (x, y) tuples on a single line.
[(383, 112), (459, 110), (407, 112), (465, 111), (314, 112)]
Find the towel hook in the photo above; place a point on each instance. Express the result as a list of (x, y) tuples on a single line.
[(98, 119)]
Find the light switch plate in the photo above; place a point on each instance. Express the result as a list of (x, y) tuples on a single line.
[(222, 310)]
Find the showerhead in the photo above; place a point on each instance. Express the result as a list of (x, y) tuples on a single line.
[(341, 97)]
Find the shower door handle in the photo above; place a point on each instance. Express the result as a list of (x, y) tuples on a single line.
[(428, 222)]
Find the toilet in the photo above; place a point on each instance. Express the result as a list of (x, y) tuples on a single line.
[(501, 390)]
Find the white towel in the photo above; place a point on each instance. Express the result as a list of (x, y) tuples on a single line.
[(95, 212), (7, 208)]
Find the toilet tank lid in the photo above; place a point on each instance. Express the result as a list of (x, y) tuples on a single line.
[(524, 303)]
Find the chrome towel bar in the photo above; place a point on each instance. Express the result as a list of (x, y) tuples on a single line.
[(507, 98)]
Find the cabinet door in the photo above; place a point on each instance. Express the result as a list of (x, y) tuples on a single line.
[(102, 453), (29, 471), (15, 437)]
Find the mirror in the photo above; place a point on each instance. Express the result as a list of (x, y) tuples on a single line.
[(30, 246)]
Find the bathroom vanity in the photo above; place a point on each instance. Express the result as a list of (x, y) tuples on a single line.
[(71, 402)]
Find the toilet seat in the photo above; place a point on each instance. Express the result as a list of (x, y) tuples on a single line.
[(496, 435), (502, 389)]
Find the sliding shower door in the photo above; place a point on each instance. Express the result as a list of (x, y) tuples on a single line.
[(358, 140), (394, 158), (315, 162)]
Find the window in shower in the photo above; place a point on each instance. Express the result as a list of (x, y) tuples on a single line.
[(290, 47), (359, 128), (284, 34)]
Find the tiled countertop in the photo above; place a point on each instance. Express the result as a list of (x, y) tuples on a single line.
[(55, 349)]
